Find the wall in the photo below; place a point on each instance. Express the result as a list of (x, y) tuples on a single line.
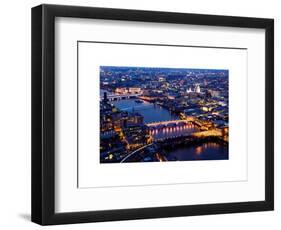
[(15, 113)]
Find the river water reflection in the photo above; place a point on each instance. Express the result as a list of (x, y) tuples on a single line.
[(150, 112), (205, 151)]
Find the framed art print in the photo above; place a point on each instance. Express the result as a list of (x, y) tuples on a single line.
[(142, 114)]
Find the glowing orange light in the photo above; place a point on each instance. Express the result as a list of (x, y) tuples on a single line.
[(198, 150)]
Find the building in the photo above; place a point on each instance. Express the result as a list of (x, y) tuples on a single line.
[(105, 99), (197, 88), (189, 90), (134, 90), (136, 136), (121, 91), (135, 119), (131, 90), (214, 93)]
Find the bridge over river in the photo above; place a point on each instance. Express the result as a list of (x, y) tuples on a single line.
[(172, 128), (116, 97), (181, 128)]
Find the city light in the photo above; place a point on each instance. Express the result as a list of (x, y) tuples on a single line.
[(163, 114)]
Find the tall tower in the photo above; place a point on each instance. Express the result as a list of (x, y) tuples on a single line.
[(197, 88), (105, 99)]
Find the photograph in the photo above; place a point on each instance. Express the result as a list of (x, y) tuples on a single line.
[(143, 113), (156, 114)]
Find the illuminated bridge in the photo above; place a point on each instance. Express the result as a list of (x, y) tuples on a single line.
[(171, 129), (117, 97), (169, 122)]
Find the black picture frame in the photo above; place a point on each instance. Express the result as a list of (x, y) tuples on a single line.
[(43, 114)]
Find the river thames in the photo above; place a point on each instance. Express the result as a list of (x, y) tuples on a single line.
[(150, 112), (153, 113)]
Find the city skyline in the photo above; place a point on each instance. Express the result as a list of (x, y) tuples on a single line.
[(150, 114)]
